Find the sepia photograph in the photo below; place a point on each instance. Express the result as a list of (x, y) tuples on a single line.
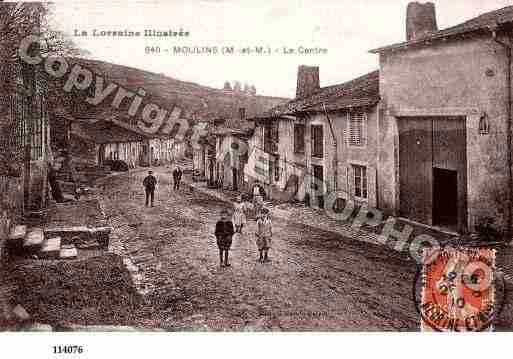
[(223, 166)]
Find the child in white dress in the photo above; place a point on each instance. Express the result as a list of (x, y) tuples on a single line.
[(239, 215)]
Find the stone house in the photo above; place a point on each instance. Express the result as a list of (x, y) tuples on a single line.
[(203, 150), (112, 140), (445, 130), (323, 141), (231, 155), (427, 138)]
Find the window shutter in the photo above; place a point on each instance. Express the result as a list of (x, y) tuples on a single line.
[(350, 180), (357, 122)]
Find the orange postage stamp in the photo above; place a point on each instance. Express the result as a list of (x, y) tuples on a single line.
[(458, 290)]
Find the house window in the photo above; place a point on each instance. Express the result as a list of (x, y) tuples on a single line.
[(317, 141), (360, 181), (37, 132), (357, 123), (271, 137), (299, 138)]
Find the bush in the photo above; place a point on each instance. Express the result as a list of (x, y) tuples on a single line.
[(117, 165)]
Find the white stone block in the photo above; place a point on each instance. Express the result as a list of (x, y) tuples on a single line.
[(38, 327), (20, 313), (52, 244), (18, 232), (34, 238), (68, 252)]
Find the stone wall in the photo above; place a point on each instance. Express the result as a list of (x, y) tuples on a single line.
[(11, 206)]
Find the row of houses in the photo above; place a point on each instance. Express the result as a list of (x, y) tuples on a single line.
[(426, 137), (221, 153), (99, 141)]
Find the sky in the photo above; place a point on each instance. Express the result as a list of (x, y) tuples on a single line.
[(348, 29)]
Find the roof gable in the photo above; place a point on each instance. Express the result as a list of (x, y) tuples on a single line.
[(482, 22), (360, 92)]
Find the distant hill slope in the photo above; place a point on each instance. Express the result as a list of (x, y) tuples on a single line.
[(196, 101)]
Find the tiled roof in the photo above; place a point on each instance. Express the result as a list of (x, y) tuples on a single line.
[(105, 131), (360, 92), (483, 22)]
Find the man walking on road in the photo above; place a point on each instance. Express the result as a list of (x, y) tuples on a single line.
[(149, 184), (177, 177)]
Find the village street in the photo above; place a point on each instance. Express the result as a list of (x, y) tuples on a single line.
[(316, 280)]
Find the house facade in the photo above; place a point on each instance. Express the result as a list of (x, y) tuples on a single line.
[(427, 138), (110, 140), (324, 141), (231, 158), (445, 132)]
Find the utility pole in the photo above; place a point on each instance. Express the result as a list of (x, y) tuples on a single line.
[(335, 145)]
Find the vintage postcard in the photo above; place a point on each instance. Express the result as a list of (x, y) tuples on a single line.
[(270, 166)]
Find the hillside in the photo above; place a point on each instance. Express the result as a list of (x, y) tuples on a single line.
[(197, 102)]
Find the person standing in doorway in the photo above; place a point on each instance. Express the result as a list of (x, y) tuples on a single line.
[(224, 232), (177, 177), (149, 184)]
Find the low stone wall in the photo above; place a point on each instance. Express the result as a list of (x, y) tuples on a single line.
[(11, 206), (38, 184)]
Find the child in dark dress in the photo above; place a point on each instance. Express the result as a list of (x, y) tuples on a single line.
[(224, 232)]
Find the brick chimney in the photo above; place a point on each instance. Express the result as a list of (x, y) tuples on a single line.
[(307, 80), (420, 20)]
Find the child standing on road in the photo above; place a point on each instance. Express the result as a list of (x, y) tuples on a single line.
[(264, 234), (239, 217), (224, 232)]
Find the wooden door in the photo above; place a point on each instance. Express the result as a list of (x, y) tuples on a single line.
[(415, 168)]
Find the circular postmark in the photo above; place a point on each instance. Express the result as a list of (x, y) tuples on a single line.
[(458, 290)]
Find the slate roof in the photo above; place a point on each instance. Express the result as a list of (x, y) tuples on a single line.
[(360, 92), (481, 23)]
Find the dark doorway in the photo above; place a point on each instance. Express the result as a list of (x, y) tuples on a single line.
[(445, 198), (318, 172), (235, 178), (416, 167), (101, 155), (433, 171)]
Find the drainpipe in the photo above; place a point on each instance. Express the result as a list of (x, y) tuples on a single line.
[(508, 49), (335, 144)]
